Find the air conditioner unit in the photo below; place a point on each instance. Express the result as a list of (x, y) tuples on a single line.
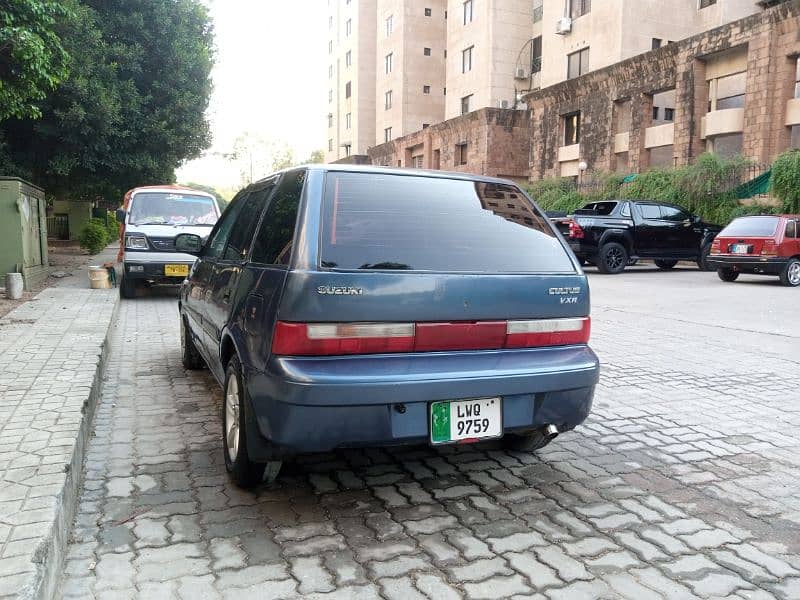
[(502, 104), (521, 73), (564, 26)]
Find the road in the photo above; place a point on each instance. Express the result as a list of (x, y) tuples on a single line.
[(685, 482)]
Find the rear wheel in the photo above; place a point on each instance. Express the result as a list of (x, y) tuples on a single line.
[(245, 472), (666, 265), (702, 262), (529, 442), (612, 259), (190, 356), (728, 274), (790, 276)]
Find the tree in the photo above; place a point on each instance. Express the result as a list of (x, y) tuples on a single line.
[(316, 157), (786, 180), (133, 108), (256, 156), (32, 59), (221, 202)]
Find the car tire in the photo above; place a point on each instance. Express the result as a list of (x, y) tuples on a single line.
[(702, 262), (790, 275), (128, 288), (728, 274), (666, 265), (190, 355), (528, 442), (612, 259), (245, 473)]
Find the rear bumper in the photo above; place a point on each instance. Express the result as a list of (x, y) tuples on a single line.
[(748, 264), (318, 404)]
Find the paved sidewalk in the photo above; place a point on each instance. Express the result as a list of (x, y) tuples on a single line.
[(53, 351)]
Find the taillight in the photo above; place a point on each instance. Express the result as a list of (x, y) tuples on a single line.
[(329, 339), (769, 248), (575, 231), (715, 247)]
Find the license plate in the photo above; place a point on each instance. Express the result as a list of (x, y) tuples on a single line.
[(176, 270), (740, 248), (458, 420)]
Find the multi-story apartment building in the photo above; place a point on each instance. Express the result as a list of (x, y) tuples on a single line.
[(351, 78), (438, 59)]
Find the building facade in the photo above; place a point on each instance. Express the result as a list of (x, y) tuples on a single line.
[(398, 66), (732, 90)]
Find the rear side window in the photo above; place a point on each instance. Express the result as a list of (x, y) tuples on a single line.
[(246, 221), (376, 221), (601, 208), (273, 243), (751, 227), (671, 213), (219, 236), (650, 211), (792, 229)]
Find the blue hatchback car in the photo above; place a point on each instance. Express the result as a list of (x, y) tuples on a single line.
[(343, 306)]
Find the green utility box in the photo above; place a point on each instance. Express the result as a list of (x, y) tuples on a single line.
[(23, 231)]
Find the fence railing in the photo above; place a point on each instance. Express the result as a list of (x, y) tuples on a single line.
[(58, 227)]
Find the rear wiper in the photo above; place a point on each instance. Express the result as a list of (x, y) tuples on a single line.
[(386, 265)]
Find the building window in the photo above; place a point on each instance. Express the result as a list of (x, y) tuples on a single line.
[(388, 63), (706, 3), (572, 128), (466, 59), (330, 145), (330, 119), (387, 100), (417, 161), (348, 120), (465, 102), (348, 27), (468, 5), (348, 58), (330, 47), (444, 91), (669, 114), (461, 154), (428, 12), (727, 92), (387, 134), (347, 149), (662, 157), (426, 89), (728, 145), (330, 71), (330, 22), (536, 55), (655, 113), (330, 95), (347, 89), (578, 8), (426, 51), (426, 125), (389, 25), (538, 10), (577, 63), (797, 80), (656, 44)]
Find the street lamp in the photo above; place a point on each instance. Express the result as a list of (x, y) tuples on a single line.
[(582, 166)]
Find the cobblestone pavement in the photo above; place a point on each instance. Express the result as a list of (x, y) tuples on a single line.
[(684, 483)]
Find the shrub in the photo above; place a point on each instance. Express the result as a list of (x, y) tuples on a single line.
[(786, 180), (94, 236), (112, 227)]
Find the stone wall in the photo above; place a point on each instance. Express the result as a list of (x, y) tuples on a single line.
[(497, 144), (772, 39)]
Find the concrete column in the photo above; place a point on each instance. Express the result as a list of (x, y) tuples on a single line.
[(761, 89), (641, 119)]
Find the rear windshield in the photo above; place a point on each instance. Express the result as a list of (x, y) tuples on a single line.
[(380, 221), (598, 208), (751, 227), (171, 208)]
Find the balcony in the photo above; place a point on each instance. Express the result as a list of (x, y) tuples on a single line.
[(793, 112), (659, 135), (720, 122), (569, 153), (622, 142)]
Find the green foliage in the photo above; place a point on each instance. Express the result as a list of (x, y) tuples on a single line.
[(132, 109), (221, 202), (94, 236), (112, 227), (315, 158), (786, 180), (32, 58)]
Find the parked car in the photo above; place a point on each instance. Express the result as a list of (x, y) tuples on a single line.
[(150, 219), (616, 233), (761, 245), (356, 306)]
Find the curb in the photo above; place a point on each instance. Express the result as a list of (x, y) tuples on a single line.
[(50, 555)]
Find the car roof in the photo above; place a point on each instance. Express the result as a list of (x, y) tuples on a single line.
[(167, 189), (779, 216), (337, 168)]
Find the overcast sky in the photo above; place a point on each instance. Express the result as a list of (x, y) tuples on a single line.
[(270, 79)]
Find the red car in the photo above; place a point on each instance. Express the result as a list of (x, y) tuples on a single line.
[(761, 245)]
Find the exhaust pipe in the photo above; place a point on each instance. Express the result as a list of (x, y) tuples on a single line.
[(550, 431)]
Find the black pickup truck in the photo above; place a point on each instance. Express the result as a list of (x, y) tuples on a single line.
[(613, 233)]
